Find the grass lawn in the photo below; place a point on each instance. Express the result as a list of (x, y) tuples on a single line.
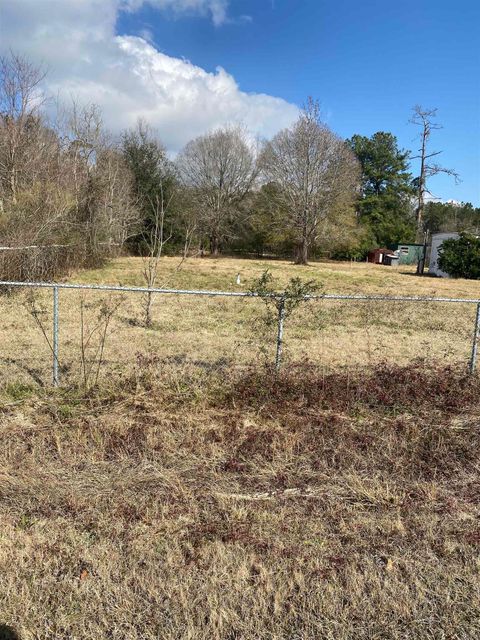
[(226, 333), (334, 277)]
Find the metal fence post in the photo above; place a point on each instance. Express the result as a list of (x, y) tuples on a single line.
[(55, 336), (281, 318), (476, 338)]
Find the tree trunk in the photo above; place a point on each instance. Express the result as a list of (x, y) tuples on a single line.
[(148, 309), (302, 252), (421, 188), (13, 186), (214, 245), (420, 208)]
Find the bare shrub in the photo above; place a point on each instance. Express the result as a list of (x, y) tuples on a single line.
[(93, 338)]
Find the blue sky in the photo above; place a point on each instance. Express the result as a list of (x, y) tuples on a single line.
[(189, 66), (367, 62)]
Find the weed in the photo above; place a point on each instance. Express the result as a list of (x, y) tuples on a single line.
[(20, 390)]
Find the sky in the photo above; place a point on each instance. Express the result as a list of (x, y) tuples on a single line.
[(188, 66)]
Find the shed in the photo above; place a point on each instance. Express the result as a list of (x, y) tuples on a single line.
[(437, 241), (408, 253), (377, 256)]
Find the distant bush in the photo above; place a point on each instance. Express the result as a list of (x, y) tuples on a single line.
[(460, 257)]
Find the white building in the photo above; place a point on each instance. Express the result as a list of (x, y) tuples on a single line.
[(437, 241)]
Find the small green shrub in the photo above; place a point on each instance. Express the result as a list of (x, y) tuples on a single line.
[(460, 257), (296, 293)]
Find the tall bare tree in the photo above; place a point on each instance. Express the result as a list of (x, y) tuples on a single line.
[(155, 185), (316, 175), (20, 102), (425, 119), (155, 238), (218, 169), (117, 207), (86, 138), (65, 190), (103, 214)]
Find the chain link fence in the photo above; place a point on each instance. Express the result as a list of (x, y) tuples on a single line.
[(60, 333)]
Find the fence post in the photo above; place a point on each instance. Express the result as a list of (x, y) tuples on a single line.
[(476, 338), (55, 336), (281, 318)]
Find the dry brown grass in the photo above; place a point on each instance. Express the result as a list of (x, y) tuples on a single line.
[(219, 332), (336, 277), (179, 505)]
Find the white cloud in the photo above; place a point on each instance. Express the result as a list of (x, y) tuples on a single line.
[(127, 76), (216, 8)]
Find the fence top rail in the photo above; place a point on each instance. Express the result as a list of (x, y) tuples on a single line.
[(236, 294)]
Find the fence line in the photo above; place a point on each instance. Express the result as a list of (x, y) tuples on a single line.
[(56, 286), (238, 294), (55, 246)]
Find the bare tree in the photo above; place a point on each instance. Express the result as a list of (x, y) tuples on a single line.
[(316, 175), (118, 213), (104, 214), (155, 185), (86, 140), (85, 137), (155, 239), (186, 220), (20, 102), (33, 200), (65, 189), (425, 119), (219, 169)]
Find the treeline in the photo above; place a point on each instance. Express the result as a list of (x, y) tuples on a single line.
[(451, 216), (65, 188), (71, 194), (388, 204)]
